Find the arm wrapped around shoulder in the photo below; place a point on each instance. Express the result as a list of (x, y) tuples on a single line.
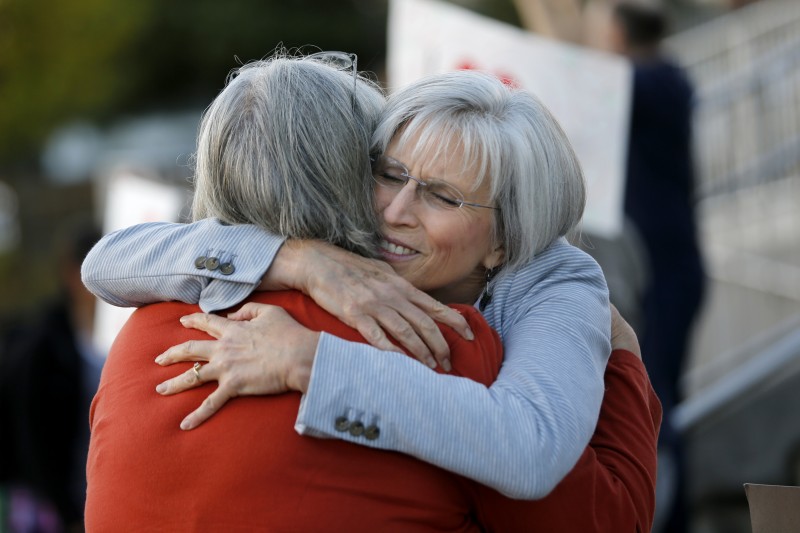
[(206, 262)]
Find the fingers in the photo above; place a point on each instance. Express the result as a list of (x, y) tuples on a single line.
[(618, 324), (191, 379), (422, 339), (444, 314), (214, 325), (408, 315), (187, 351), (374, 335), (430, 333), (248, 311), (615, 316), (207, 409), (623, 337), (420, 335), (187, 380)]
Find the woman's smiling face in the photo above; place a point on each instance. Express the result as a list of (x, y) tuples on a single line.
[(444, 251)]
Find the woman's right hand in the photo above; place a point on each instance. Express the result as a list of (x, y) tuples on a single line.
[(367, 295)]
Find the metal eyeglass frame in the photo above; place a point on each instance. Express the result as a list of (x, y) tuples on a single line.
[(461, 202)]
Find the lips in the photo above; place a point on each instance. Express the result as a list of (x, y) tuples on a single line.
[(396, 250)]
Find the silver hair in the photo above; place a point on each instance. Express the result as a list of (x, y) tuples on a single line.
[(284, 146), (510, 138)]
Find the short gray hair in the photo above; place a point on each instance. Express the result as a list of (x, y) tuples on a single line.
[(510, 136), (284, 146)]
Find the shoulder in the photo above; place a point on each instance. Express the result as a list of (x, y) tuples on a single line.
[(158, 315), (562, 277), (154, 326), (560, 261)]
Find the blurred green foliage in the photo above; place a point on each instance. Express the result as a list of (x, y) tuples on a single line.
[(190, 46), (61, 59)]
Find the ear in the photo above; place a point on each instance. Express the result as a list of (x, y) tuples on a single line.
[(495, 258)]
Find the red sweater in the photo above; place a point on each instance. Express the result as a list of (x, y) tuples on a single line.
[(246, 468)]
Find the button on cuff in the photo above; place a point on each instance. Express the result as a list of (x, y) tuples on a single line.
[(372, 432), (341, 424), (356, 429)]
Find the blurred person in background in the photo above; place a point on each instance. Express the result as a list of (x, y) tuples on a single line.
[(654, 268), (659, 200), (49, 373)]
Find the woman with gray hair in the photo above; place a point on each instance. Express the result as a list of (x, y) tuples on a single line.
[(470, 176)]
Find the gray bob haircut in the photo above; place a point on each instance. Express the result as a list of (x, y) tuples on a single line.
[(286, 147), (510, 137)]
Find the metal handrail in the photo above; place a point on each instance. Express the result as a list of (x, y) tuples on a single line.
[(746, 70)]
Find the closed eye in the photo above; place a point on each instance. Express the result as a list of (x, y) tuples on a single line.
[(444, 199), (391, 179)]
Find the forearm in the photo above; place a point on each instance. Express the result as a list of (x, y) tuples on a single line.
[(160, 261), (496, 436), (532, 424)]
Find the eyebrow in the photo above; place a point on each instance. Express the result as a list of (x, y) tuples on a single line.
[(427, 181)]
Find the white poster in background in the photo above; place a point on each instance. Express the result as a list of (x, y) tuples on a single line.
[(588, 91), (132, 199)]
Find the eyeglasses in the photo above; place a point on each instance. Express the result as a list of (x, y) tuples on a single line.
[(393, 175), (339, 61)]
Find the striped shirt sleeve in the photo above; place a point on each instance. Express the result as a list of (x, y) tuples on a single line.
[(158, 262)]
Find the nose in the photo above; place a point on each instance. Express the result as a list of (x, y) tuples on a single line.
[(398, 209)]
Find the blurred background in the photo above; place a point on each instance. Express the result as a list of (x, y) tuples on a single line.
[(92, 91)]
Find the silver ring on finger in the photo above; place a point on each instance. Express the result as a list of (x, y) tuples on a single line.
[(196, 369)]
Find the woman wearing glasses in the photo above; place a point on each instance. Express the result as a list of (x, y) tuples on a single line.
[(475, 187)]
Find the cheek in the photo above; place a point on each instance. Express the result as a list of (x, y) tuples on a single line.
[(380, 199), (481, 239), (466, 240)]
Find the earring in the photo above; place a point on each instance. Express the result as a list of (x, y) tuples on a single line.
[(486, 296)]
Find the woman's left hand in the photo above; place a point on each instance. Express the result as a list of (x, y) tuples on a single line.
[(623, 337), (259, 350)]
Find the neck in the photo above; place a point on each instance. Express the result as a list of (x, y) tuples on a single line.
[(466, 291)]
